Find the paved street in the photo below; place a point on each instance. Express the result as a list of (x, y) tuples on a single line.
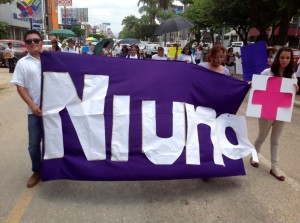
[(256, 197)]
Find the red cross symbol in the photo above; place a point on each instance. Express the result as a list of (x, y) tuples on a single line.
[(271, 99)]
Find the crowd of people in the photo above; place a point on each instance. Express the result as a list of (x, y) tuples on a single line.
[(27, 78)]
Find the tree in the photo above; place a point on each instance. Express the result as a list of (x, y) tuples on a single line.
[(150, 8), (130, 24), (288, 9), (77, 30), (199, 13), (165, 4), (234, 14), (4, 31)]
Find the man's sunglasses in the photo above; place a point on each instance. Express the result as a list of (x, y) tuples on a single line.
[(29, 41)]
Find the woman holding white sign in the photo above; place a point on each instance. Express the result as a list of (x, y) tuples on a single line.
[(281, 67)]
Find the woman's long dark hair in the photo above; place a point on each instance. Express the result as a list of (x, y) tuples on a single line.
[(289, 70)]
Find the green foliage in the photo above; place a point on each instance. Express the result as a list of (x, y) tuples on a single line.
[(98, 36), (4, 31), (77, 30), (145, 32), (164, 15)]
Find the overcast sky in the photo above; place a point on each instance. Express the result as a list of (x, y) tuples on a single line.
[(111, 11)]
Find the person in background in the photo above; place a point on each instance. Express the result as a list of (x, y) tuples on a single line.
[(281, 67), (124, 51), (160, 54), (134, 53), (55, 46), (186, 55), (27, 78), (270, 53), (230, 61), (298, 75), (216, 58), (106, 51), (9, 54), (78, 47), (198, 54), (117, 50), (63, 46), (71, 47)]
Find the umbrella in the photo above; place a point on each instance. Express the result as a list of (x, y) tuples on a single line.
[(62, 32), (174, 24), (99, 46), (92, 39), (128, 41)]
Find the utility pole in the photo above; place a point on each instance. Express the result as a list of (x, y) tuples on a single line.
[(65, 15)]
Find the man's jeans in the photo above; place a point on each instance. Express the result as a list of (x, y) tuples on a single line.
[(35, 138)]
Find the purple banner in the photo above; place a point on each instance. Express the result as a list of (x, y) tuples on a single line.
[(77, 88), (254, 59)]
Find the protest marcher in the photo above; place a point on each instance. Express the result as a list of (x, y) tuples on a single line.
[(78, 47), (117, 50), (71, 47), (281, 67), (54, 46), (8, 54), (270, 53), (160, 54), (124, 51), (134, 53), (186, 55), (198, 54), (27, 78), (215, 58), (106, 51), (63, 46), (230, 61)]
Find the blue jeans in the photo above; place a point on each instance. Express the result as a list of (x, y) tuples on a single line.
[(35, 138)]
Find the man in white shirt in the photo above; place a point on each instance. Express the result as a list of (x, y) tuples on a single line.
[(160, 54), (71, 47), (9, 55), (27, 78)]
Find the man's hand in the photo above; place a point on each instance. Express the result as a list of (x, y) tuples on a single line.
[(36, 110)]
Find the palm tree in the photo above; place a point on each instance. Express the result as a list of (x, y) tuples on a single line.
[(165, 4), (150, 8)]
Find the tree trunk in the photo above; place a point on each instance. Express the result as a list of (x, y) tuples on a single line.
[(284, 28)]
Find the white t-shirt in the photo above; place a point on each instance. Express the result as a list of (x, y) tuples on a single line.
[(70, 50), (184, 57), (156, 57), (28, 74), (268, 72), (132, 57)]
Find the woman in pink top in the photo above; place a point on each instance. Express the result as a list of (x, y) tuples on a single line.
[(215, 58)]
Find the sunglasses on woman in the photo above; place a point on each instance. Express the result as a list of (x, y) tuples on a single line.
[(29, 41)]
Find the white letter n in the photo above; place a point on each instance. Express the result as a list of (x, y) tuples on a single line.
[(86, 115)]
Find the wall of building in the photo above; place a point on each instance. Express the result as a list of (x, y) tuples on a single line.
[(17, 27)]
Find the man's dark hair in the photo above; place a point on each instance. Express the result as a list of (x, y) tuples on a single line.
[(32, 31)]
